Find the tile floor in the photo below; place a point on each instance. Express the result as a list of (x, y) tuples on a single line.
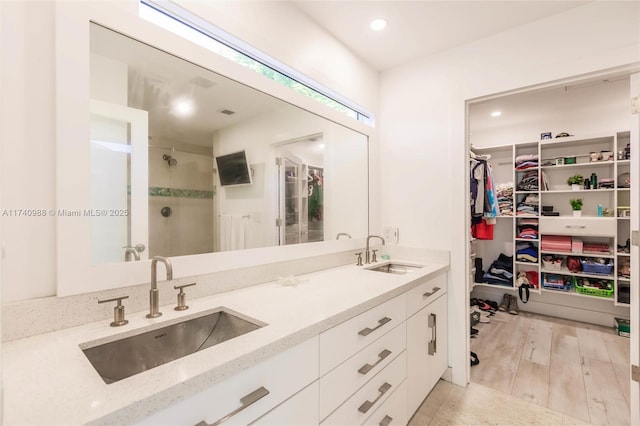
[(537, 370)]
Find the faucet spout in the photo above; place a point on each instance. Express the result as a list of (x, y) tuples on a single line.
[(154, 294), (367, 255)]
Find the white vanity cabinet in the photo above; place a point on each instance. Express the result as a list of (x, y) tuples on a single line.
[(362, 363), (250, 394), (426, 339)]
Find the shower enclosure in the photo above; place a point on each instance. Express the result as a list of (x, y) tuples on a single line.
[(180, 201)]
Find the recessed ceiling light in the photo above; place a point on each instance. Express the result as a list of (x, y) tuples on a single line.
[(496, 114), (378, 24), (183, 107)]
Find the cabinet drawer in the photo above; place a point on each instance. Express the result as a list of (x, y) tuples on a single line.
[(340, 342), (357, 409), (587, 226), (392, 412), (299, 410), (351, 375), (281, 375), (426, 293)]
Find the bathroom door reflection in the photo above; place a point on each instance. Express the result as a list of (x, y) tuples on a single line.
[(119, 183)]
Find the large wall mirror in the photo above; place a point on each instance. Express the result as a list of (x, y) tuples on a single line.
[(186, 162)]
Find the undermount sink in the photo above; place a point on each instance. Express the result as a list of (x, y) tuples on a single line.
[(131, 355), (395, 268)]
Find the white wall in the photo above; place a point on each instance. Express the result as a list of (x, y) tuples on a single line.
[(422, 123), (28, 149)]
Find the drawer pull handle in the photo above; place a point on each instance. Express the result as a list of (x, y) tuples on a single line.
[(433, 343), (575, 226), (245, 402), (368, 367), (367, 331), (366, 406), (386, 421), (432, 292)]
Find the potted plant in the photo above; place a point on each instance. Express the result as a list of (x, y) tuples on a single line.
[(576, 206), (576, 182)]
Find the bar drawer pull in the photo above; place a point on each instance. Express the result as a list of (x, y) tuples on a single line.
[(368, 367), (575, 226), (367, 331), (386, 421), (366, 406), (245, 402), (432, 292), (433, 343)]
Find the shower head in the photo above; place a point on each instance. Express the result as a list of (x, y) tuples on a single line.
[(170, 160)]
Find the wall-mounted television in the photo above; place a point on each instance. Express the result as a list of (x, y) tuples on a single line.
[(233, 169)]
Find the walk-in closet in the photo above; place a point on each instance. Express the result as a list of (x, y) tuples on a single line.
[(549, 244)]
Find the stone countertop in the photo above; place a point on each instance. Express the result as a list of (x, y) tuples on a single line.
[(48, 380)]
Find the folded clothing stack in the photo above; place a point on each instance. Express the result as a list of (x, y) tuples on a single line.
[(529, 181), (501, 271), (504, 192), (528, 228), (606, 183), (526, 161), (528, 206), (561, 243), (526, 252), (595, 248)]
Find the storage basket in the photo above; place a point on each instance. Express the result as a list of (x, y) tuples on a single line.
[(551, 263), (564, 285), (596, 268), (593, 291)]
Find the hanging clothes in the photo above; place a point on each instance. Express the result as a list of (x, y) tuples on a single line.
[(484, 198)]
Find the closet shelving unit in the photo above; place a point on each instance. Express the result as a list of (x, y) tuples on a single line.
[(590, 228)]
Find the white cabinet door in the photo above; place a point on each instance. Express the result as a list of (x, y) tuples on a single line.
[(438, 359), (299, 410), (426, 351)]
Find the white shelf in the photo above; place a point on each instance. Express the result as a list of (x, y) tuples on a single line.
[(624, 161), (530, 240), (573, 293), (494, 286), (624, 279), (565, 271), (589, 164), (563, 191), (623, 254), (517, 262), (560, 253)]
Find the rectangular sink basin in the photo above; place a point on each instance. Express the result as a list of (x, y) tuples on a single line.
[(395, 268), (131, 355)]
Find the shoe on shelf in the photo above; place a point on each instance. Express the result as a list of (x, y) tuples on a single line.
[(513, 305), (474, 332), (504, 306)]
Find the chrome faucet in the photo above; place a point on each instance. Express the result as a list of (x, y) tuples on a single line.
[(340, 234), (154, 294), (131, 251), (367, 253)]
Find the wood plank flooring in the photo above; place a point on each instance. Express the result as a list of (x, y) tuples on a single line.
[(580, 370)]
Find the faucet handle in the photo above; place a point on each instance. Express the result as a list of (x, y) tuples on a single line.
[(182, 296), (359, 261), (118, 311), (373, 256)]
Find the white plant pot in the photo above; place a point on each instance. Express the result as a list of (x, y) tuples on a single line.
[(575, 187), (577, 213)]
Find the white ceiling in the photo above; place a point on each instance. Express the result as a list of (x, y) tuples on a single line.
[(422, 27)]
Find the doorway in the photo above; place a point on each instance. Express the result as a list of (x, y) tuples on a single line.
[(561, 339), (300, 175)]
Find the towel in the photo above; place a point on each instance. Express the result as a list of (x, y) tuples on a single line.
[(232, 232)]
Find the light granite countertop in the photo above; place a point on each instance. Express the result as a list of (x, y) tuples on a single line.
[(48, 380)]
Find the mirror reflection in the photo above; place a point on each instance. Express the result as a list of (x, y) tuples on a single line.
[(185, 161)]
